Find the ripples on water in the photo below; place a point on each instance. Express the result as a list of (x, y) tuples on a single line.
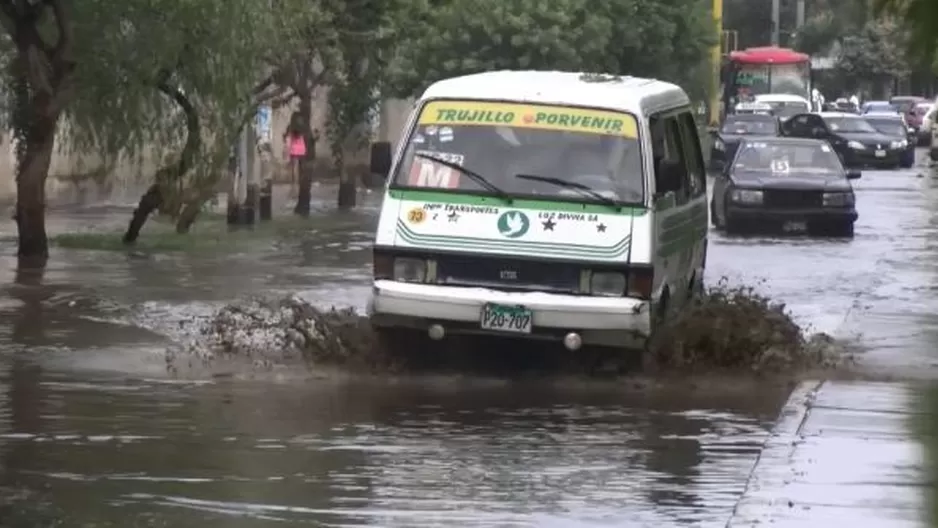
[(177, 454)]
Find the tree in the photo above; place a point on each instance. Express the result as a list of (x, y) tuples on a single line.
[(177, 80), (44, 71), (365, 40), (875, 53), (579, 35), (919, 18)]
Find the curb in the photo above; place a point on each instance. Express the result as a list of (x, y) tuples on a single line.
[(781, 441)]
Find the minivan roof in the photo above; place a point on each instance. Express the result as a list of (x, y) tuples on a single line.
[(612, 92)]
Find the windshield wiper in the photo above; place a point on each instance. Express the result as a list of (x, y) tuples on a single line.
[(474, 176), (583, 189)]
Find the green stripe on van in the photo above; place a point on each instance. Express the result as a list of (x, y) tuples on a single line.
[(517, 203)]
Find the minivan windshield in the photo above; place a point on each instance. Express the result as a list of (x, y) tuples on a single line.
[(524, 150)]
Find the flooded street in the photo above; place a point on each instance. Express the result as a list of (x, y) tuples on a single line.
[(93, 432)]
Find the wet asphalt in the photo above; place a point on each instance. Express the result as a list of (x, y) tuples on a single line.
[(93, 432)]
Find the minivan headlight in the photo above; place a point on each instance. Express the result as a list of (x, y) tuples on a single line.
[(410, 269), (607, 284)]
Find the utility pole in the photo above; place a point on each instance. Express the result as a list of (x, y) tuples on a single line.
[(799, 14), (776, 18), (716, 57)]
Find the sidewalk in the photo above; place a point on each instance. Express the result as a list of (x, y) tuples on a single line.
[(841, 454)]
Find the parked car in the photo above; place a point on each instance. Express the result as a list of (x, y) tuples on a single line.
[(894, 127), (734, 129), (921, 123), (784, 105), (878, 106), (842, 104), (856, 142), (907, 107), (793, 183)]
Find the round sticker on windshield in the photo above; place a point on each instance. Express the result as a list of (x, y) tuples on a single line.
[(780, 166)]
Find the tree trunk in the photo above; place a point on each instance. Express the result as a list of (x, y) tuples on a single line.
[(347, 192), (172, 175), (31, 195), (149, 202), (187, 217), (305, 194), (305, 181)]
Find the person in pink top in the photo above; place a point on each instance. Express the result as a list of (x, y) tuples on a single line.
[(294, 144)]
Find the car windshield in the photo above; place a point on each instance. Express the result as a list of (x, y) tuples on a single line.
[(849, 124), (575, 154), (781, 159), (749, 124), (890, 127)]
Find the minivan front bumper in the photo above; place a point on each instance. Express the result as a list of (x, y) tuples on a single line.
[(609, 321)]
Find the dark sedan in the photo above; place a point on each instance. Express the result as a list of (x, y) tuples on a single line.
[(792, 183), (894, 126), (735, 129), (856, 141)]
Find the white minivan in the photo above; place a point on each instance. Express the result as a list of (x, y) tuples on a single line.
[(561, 206)]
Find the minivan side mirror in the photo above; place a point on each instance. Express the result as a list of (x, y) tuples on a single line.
[(381, 158), (853, 174), (668, 177)]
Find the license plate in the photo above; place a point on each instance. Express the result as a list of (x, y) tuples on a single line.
[(880, 153), (790, 227), (503, 318)]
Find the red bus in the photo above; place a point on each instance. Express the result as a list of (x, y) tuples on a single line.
[(764, 70)]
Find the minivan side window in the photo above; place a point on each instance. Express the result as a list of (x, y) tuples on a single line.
[(666, 145), (697, 176)]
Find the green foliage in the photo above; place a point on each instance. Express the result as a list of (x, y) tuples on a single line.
[(919, 18), (457, 38), (213, 51), (208, 236), (365, 34), (876, 51)]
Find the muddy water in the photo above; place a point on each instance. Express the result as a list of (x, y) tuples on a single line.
[(106, 451), (92, 430)]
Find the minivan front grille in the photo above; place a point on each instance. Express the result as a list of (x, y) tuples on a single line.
[(507, 273)]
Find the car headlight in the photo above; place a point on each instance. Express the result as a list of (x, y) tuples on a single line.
[(719, 145), (410, 270), (607, 284), (746, 196), (855, 145), (899, 144), (839, 199)]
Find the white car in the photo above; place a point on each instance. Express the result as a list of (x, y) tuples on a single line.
[(784, 105)]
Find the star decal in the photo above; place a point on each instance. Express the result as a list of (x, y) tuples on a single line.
[(549, 224), (601, 228), (453, 217)]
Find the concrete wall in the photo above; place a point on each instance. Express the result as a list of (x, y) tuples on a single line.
[(77, 177)]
